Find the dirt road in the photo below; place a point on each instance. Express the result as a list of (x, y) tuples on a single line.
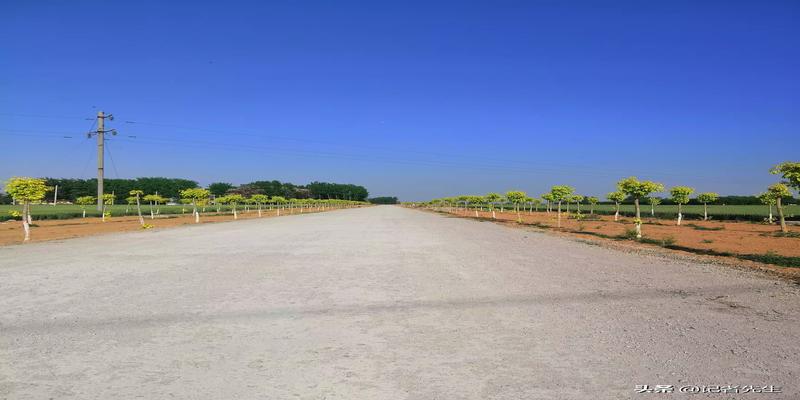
[(380, 303)]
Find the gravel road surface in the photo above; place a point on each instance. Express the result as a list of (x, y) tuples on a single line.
[(381, 303)]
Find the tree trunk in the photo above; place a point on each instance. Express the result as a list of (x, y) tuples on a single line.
[(770, 214), (652, 210), (591, 209), (616, 212), (235, 215), (494, 216), (259, 210), (84, 212), (25, 222), (638, 219), (196, 214), (559, 213), (680, 213), (139, 211), (151, 211), (780, 215), (705, 211)]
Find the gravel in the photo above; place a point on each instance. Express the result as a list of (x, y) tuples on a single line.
[(380, 303)]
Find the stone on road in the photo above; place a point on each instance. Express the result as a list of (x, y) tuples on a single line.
[(380, 303)]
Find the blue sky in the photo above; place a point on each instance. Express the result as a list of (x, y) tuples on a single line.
[(413, 99)]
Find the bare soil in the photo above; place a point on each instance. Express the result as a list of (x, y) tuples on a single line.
[(11, 231)]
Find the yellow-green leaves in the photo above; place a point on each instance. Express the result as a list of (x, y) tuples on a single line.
[(680, 194), (616, 197), (790, 171), (779, 190), (707, 197), (85, 200), (561, 192), (26, 190), (195, 195), (637, 189)]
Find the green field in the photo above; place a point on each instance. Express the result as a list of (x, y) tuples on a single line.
[(66, 211)]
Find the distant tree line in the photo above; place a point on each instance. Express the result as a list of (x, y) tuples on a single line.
[(313, 190), (383, 200), (71, 189), (171, 188)]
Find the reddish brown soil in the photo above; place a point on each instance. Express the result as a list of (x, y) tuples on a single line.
[(11, 231), (734, 237)]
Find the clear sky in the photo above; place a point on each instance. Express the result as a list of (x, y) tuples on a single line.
[(413, 99)]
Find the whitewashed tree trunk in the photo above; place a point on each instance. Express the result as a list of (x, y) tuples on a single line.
[(84, 213), (680, 215), (705, 211), (235, 215), (616, 212), (196, 214), (559, 214), (638, 219), (26, 222), (494, 216), (770, 214)]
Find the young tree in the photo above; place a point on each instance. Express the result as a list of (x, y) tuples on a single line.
[(592, 200), (516, 197), (780, 191), (259, 199), (492, 199), (617, 197), (548, 197), (137, 194), (680, 195), (233, 200), (196, 196), (152, 198), (637, 189), (26, 190), (578, 199), (654, 201), (561, 193), (84, 201), (279, 202), (769, 199), (108, 200), (705, 198)]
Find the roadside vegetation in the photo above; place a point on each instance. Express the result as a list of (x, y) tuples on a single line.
[(710, 232)]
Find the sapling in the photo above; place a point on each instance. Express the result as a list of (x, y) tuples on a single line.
[(680, 195), (705, 198), (26, 190), (637, 190)]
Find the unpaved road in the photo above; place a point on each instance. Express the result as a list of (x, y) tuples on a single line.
[(380, 303)]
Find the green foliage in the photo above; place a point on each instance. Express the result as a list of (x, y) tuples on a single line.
[(515, 196), (492, 197), (278, 199), (779, 190), (768, 198), (259, 198), (561, 192), (653, 200), (220, 188), (108, 199), (130, 200), (84, 201), (592, 200), (27, 190), (680, 194), (71, 189), (136, 193), (707, 197), (616, 197), (383, 200), (638, 189), (195, 195), (790, 172)]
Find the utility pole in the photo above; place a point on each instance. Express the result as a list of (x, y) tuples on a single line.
[(100, 132)]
